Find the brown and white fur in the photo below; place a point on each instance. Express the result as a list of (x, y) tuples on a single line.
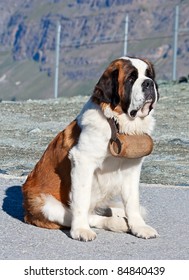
[(77, 177)]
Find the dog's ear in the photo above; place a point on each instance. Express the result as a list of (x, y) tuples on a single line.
[(106, 90)]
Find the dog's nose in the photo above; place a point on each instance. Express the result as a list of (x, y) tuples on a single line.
[(147, 84), (148, 89)]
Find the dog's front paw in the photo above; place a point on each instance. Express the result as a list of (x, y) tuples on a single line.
[(144, 231), (83, 234)]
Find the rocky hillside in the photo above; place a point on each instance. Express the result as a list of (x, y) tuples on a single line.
[(92, 34)]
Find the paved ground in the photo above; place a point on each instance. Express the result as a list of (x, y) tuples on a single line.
[(168, 209)]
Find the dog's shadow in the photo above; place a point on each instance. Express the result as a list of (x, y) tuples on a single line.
[(12, 203)]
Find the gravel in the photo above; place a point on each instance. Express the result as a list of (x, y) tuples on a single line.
[(28, 126)]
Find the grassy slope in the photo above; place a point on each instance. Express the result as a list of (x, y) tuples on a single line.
[(23, 79)]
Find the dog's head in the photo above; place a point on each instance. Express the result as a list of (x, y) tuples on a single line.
[(128, 86)]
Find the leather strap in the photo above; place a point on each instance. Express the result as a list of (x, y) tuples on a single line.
[(114, 131)]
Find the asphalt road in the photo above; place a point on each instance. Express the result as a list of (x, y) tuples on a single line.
[(168, 212)]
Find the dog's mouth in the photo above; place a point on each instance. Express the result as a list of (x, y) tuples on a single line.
[(143, 110)]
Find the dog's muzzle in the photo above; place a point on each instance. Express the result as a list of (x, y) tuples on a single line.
[(149, 100), (149, 90)]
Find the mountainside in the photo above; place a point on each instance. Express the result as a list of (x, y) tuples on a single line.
[(92, 34)]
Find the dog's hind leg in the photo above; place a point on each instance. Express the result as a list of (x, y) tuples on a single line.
[(55, 211), (113, 223), (47, 212)]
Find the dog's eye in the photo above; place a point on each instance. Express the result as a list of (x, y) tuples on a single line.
[(132, 78), (149, 74)]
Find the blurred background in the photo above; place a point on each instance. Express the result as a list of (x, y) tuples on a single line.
[(92, 33)]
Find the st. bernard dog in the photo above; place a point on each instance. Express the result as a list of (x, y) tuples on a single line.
[(74, 182)]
